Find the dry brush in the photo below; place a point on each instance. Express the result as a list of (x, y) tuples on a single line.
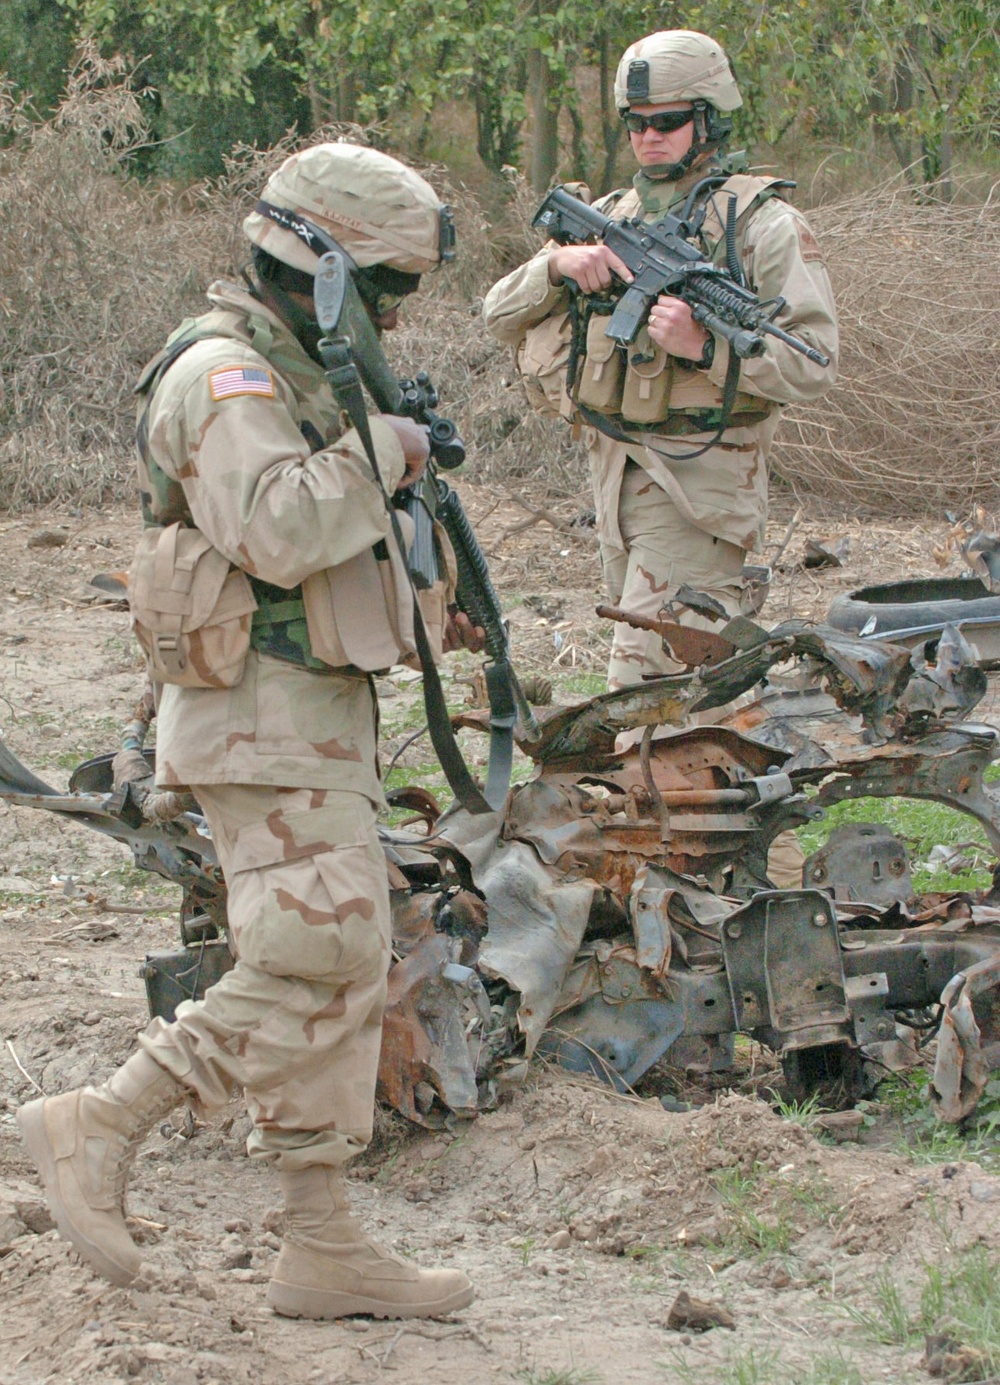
[(98, 267)]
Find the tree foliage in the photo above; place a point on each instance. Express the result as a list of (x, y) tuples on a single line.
[(922, 76)]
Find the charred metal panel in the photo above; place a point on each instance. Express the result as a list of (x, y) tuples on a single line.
[(785, 971), (862, 861)]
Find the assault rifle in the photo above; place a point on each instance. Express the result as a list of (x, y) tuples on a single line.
[(432, 498), (355, 354), (663, 260)]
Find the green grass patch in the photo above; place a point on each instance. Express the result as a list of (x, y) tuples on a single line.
[(959, 1296), (569, 1375), (767, 1212), (764, 1366), (922, 825), (569, 687), (903, 1097)]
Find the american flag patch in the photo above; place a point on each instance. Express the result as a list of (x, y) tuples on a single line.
[(240, 379)]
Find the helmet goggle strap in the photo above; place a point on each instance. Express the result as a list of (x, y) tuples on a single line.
[(320, 243), (380, 287), (307, 231)]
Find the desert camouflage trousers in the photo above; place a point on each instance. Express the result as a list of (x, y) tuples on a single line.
[(662, 552), (297, 1023)]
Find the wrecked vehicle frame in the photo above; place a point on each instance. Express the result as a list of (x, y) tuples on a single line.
[(618, 910)]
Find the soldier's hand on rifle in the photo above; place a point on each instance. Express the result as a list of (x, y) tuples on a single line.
[(460, 633), (592, 267), (672, 328), (415, 444)]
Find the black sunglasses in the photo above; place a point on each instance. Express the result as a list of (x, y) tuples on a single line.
[(663, 122)]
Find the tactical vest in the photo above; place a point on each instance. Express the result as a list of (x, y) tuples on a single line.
[(329, 623), (642, 388)]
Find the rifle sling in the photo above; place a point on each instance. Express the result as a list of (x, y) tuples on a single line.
[(346, 386)]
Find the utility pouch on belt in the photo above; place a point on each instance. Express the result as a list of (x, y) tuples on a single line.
[(191, 609), (542, 359), (648, 380), (601, 376), (346, 626)]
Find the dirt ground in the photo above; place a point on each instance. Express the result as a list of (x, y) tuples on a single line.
[(580, 1215)]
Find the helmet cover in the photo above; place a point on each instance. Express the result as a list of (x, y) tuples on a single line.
[(676, 65), (374, 207)]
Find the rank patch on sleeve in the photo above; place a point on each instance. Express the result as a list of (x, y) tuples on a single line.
[(808, 244), (239, 379)]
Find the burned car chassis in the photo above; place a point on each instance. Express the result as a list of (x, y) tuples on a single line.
[(618, 910)]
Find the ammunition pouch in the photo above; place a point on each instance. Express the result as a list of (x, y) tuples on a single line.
[(649, 379), (190, 609), (600, 377)]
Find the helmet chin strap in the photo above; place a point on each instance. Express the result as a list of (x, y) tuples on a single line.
[(670, 173)]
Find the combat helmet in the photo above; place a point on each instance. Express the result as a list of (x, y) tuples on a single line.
[(676, 65), (376, 209)]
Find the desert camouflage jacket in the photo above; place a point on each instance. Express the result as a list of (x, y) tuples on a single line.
[(245, 441), (723, 491)]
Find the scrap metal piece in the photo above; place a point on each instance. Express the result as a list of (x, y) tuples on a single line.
[(865, 678), (424, 1044), (687, 644), (171, 977), (537, 922), (961, 1069), (785, 971), (947, 767), (861, 861), (866, 996), (615, 1020), (948, 685), (649, 903), (180, 850)]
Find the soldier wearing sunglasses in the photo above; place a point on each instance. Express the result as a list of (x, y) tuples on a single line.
[(680, 483)]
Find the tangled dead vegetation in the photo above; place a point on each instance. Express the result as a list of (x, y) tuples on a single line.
[(912, 421), (94, 263), (99, 268)]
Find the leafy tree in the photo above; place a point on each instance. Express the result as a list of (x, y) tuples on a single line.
[(36, 49), (920, 74)]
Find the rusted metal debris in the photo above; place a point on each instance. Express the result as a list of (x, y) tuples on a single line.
[(619, 909)]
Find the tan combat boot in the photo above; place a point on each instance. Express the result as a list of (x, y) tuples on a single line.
[(328, 1269), (83, 1143)]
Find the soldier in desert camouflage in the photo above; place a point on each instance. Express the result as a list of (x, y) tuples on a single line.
[(665, 516), (267, 712)]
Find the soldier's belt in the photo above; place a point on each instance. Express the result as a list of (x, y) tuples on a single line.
[(678, 425)]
